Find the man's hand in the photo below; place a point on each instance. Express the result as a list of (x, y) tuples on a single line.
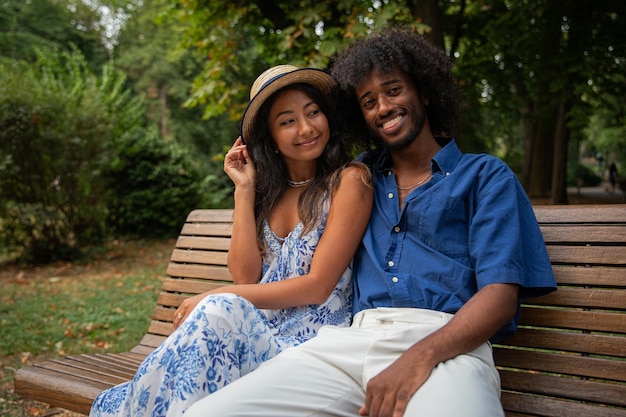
[(388, 393)]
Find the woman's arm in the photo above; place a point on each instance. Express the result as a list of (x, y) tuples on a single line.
[(244, 256), (348, 217)]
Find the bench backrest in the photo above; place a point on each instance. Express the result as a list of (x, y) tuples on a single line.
[(197, 264), (571, 344), (569, 355)]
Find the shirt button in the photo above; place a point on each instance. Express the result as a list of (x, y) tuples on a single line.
[(390, 263), (394, 279), (390, 195), (396, 229), (447, 173)]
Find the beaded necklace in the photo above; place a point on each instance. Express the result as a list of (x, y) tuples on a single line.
[(298, 184)]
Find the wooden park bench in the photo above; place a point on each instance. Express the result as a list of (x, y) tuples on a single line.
[(568, 358)]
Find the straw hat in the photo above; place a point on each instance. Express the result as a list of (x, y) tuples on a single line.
[(273, 80)]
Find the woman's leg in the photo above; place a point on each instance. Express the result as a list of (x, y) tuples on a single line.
[(223, 338), (303, 381)]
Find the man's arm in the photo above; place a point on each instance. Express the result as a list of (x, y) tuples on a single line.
[(389, 392)]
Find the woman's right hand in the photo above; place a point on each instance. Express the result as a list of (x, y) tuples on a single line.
[(185, 308), (239, 166)]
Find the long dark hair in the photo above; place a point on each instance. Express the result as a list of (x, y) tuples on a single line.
[(272, 176)]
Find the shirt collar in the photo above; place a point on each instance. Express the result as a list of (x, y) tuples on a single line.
[(447, 159)]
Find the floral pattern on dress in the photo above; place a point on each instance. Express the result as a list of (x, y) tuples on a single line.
[(226, 337)]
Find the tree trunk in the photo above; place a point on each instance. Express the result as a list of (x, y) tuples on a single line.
[(542, 152), (431, 15), (546, 106), (561, 142), (528, 130)]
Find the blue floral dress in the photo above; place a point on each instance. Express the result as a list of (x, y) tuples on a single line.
[(226, 337)]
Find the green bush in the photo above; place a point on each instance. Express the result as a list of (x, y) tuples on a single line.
[(36, 233), (153, 185), (579, 174), (57, 123)]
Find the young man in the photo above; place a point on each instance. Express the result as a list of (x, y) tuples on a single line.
[(451, 247)]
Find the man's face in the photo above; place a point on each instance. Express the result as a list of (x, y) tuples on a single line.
[(392, 108)]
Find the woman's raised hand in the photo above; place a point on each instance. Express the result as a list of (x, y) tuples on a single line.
[(239, 166)]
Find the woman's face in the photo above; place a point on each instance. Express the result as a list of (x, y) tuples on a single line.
[(299, 128)]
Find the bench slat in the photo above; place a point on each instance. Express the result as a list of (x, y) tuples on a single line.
[(211, 215), (588, 255), (200, 257), (581, 214), (187, 286), (578, 342), (207, 229), (88, 371), (595, 276), (574, 319), (550, 407), (199, 271), (563, 387), (559, 363), (173, 300), (151, 341), (202, 242), (584, 234), (584, 297), (115, 363), (133, 357), (53, 388), (163, 314), (160, 328)]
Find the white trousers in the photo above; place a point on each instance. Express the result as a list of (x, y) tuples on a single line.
[(327, 375)]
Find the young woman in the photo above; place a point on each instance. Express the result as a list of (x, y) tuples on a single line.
[(300, 211)]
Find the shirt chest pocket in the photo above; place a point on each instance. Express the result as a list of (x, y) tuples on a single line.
[(442, 223)]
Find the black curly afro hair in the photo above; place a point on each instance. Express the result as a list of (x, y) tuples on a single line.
[(393, 49)]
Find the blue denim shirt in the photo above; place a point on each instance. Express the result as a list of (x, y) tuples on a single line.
[(470, 226)]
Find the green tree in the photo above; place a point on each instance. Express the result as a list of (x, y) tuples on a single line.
[(529, 68), (57, 119), (536, 62), (28, 26), (153, 184), (241, 39), (161, 70)]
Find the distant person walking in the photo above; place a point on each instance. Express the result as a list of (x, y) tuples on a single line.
[(613, 175)]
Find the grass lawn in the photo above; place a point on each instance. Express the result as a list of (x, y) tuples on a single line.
[(67, 308)]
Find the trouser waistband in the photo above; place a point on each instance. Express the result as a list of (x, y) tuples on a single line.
[(403, 315)]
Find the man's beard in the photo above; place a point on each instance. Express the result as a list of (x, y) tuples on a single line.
[(405, 141)]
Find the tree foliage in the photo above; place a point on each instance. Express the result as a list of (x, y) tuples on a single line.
[(526, 66), (153, 184), (160, 70), (537, 63), (53, 118), (241, 39), (28, 26)]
